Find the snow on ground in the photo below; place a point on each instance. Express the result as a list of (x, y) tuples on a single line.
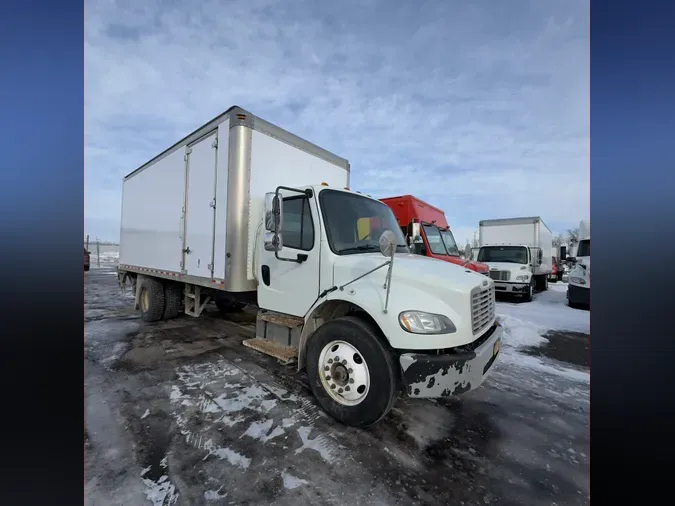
[(526, 323)]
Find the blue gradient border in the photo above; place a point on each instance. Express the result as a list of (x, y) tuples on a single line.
[(632, 196), (42, 163)]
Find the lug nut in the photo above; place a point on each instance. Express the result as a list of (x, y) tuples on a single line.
[(332, 386), (351, 380), (350, 371), (344, 362), (339, 390), (326, 368), (327, 378), (330, 360), (347, 389)]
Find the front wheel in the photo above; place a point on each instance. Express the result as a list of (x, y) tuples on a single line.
[(530, 292), (351, 371)]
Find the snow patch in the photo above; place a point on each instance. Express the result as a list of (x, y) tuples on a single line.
[(261, 431), (147, 412), (214, 495), (319, 444), (161, 492), (291, 482)]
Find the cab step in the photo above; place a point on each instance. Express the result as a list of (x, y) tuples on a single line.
[(285, 354)]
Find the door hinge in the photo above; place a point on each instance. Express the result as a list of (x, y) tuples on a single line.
[(213, 203), (210, 267), (214, 144)]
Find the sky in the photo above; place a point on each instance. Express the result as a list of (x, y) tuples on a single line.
[(480, 108)]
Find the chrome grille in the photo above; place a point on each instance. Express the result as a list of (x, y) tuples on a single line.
[(500, 275), (482, 308)]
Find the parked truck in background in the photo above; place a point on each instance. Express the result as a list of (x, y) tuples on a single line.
[(579, 280), (518, 252), (241, 210), (426, 231)]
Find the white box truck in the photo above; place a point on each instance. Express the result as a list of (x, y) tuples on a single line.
[(519, 252), (579, 280), (243, 211)]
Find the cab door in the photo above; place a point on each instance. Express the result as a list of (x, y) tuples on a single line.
[(288, 280)]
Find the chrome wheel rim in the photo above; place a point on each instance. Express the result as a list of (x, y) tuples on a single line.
[(344, 373)]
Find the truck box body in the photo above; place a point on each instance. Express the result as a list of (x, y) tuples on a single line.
[(531, 232), (408, 208), (194, 210)]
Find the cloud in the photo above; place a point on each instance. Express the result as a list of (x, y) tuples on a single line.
[(480, 108)]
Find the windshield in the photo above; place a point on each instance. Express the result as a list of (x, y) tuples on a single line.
[(354, 223), (510, 254), (584, 249), (434, 239), (450, 243)]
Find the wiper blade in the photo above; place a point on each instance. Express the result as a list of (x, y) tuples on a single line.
[(361, 247)]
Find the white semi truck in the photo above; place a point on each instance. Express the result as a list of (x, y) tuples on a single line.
[(579, 280), (241, 211), (519, 252)]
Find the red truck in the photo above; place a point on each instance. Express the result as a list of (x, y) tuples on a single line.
[(427, 232)]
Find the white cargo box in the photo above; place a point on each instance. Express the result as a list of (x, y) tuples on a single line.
[(193, 211), (531, 232)]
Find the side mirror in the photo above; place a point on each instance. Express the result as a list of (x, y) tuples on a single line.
[(273, 242), (415, 232), (274, 222), (388, 243), (274, 212)]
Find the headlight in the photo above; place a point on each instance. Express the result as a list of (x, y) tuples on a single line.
[(578, 281), (523, 278), (419, 322)]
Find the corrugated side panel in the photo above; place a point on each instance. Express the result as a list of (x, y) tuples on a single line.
[(151, 215), (219, 249), (275, 163)]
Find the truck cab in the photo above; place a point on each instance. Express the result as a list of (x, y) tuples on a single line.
[(512, 267), (427, 233), (579, 282)]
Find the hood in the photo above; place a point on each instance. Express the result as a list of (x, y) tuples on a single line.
[(478, 266), (507, 266), (587, 262), (436, 277), (469, 264)]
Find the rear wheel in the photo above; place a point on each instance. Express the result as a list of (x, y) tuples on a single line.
[(172, 296), (351, 371), (151, 300)]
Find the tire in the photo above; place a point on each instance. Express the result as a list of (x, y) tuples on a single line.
[(151, 300), (530, 292), (172, 296), (560, 277), (382, 376)]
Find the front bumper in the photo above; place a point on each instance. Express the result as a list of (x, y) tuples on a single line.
[(503, 287), (450, 374), (579, 295)]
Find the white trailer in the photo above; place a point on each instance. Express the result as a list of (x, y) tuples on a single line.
[(579, 285), (519, 252), (243, 211)]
